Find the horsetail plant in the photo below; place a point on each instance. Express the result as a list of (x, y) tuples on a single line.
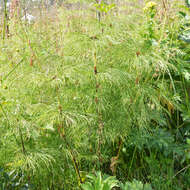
[(98, 113), (96, 102), (62, 132)]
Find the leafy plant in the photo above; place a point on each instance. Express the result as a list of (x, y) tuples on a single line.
[(135, 185), (184, 29), (12, 180), (150, 10), (115, 102), (187, 3), (99, 182), (104, 7)]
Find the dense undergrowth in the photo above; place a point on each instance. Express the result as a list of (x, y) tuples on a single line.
[(79, 96)]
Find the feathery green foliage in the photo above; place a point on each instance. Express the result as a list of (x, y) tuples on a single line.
[(79, 96)]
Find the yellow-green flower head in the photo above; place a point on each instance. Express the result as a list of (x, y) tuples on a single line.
[(150, 5)]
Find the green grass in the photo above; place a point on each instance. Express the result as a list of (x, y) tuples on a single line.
[(61, 121)]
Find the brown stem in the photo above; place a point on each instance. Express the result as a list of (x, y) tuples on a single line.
[(75, 164), (165, 3), (100, 123), (63, 135), (114, 160), (15, 8), (5, 25)]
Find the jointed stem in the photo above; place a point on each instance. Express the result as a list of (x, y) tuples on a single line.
[(99, 116), (5, 24), (76, 166)]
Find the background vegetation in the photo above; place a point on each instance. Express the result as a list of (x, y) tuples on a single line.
[(96, 96)]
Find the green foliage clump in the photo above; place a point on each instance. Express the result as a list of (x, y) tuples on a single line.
[(100, 183), (78, 96), (135, 185)]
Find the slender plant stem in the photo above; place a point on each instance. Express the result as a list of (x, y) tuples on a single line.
[(99, 116), (22, 141), (5, 114), (117, 157), (5, 24), (76, 166), (98, 12), (131, 163), (6, 76), (185, 168)]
